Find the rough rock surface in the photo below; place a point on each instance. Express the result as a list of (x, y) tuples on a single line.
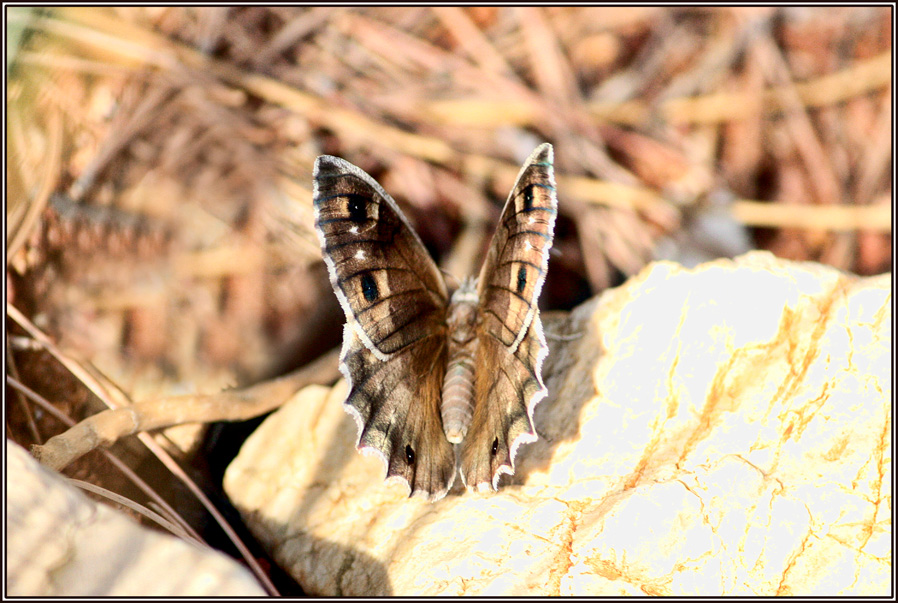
[(718, 431), (62, 544)]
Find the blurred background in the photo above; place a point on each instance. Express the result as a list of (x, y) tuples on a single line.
[(159, 165)]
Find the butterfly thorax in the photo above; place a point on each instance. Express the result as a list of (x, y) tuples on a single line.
[(457, 404)]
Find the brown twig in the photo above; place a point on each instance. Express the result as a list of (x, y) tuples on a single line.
[(861, 78), (107, 427), (836, 218), (20, 400), (116, 462), (104, 391), (799, 124), (175, 528), (48, 182)]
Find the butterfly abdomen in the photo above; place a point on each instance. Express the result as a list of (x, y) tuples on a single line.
[(457, 406), (458, 398)]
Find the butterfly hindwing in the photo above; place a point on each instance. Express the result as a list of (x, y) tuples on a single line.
[(381, 272), (396, 408)]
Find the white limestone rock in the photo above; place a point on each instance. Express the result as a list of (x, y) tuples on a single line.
[(62, 544), (718, 431)]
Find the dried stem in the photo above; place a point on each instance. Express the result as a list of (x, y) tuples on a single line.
[(107, 427)]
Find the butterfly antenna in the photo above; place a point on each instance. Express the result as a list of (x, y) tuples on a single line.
[(447, 276), (560, 337)]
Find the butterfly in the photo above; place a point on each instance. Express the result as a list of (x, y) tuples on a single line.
[(438, 385)]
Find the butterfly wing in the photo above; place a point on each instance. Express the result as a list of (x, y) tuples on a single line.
[(394, 341), (511, 346)]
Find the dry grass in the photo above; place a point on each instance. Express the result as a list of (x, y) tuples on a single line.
[(159, 168)]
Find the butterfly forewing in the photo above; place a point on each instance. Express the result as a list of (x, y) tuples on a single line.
[(382, 274), (515, 266), (511, 345)]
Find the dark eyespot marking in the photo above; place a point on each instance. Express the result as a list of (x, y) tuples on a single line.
[(495, 448), (369, 288), (356, 207), (409, 455), (522, 279), (528, 197)]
